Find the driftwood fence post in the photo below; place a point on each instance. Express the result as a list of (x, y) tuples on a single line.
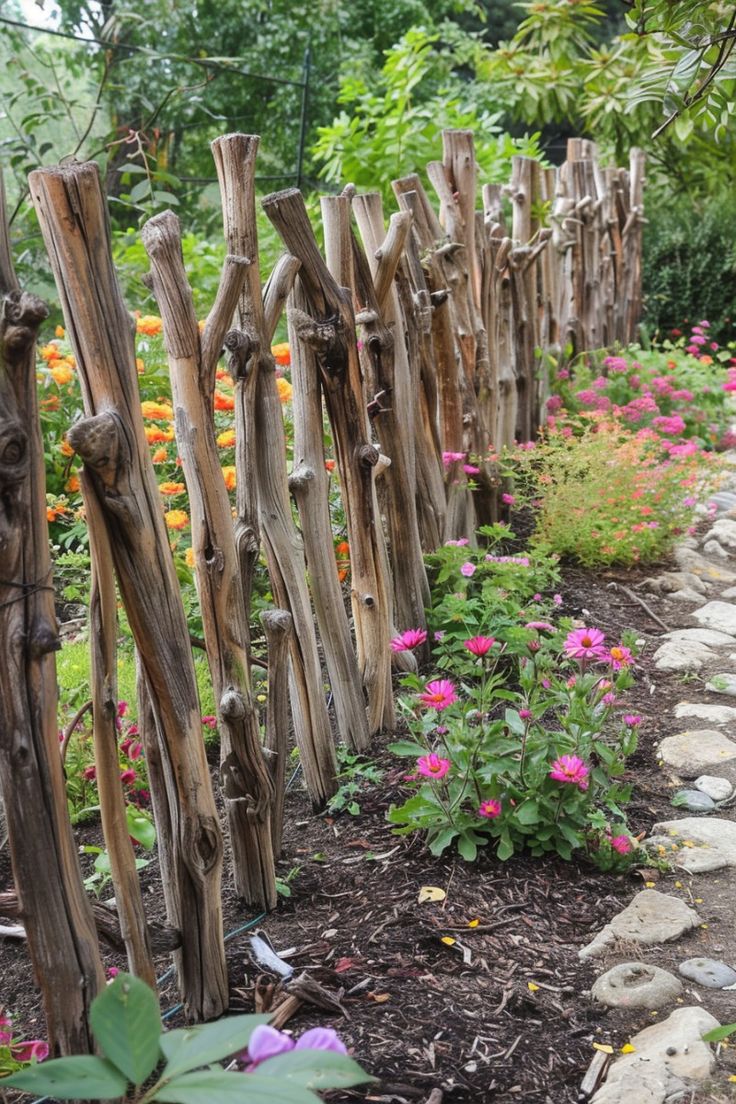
[(111, 442), (263, 428), (62, 940), (246, 783)]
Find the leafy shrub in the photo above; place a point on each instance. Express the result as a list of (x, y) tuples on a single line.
[(519, 744)]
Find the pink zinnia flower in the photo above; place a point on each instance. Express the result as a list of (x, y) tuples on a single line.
[(266, 1042), (449, 458), (439, 694), (433, 766), (570, 768), (407, 640), (525, 714), (620, 657), (609, 698), (622, 844), (632, 720), (479, 645), (490, 809), (127, 776), (470, 469), (209, 721), (25, 1052), (136, 751), (467, 569), (508, 499), (584, 644), (89, 773), (540, 626), (457, 543)]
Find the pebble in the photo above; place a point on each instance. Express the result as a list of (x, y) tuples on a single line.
[(708, 972), (694, 801), (636, 985), (717, 615), (692, 753), (719, 789)]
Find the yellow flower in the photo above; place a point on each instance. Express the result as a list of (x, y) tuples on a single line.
[(226, 439), (149, 324), (139, 366), (169, 488), (62, 373), (176, 519), (160, 410), (59, 331), (228, 474), (189, 557), (281, 353), (285, 389)]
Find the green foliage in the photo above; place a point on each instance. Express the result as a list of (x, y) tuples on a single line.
[(355, 773), (127, 1026), (393, 122)]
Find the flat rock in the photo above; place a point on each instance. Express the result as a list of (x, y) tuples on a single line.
[(683, 655), (708, 972), (711, 637), (719, 789), (694, 801), (686, 595), (690, 560), (670, 581), (636, 985), (723, 530), (667, 1057), (694, 753), (717, 615), (652, 917), (713, 548), (702, 844), (723, 682), (713, 714)]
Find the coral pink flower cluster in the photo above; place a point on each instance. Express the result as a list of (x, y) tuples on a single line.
[(570, 769)]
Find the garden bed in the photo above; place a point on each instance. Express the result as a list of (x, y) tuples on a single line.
[(501, 1012)]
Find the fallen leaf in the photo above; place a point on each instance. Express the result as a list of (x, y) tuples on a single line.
[(532, 987), (431, 893), (379, 998), (473, 923), (627, 1048), (604, 1047), (650, 885), (345, 964), (448, 940)]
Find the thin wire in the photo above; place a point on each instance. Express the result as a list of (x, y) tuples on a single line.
[(203, 62)]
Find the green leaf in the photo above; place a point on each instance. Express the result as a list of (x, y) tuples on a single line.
[(407, 747), (467, 849), (80, 1077), (142, 190), (206, 1086), (505, 848), (442, 840), (719, 1033), (315, 1069), (140, 826), (528, 813), (186, 1048), (126, 1023)]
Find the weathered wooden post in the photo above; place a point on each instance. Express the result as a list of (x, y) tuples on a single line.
[(262, 428), (246, 782), (111, 442), (62, 940), (631, 235), (278, 626)]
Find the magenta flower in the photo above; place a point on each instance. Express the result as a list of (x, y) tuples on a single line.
[(508, 499), (585, 644), (526, 714), (479, 645), (540, 626), (34, 1050), (209, 721), (622, 844), (449, 458), (470, 469), (136, 751), (467, 569), (433, 766), (89, 773), (439, 694), (609, 698), (570, 769), (490, 809), (408, 640), (127, 776), (632, 720), (620, 657)]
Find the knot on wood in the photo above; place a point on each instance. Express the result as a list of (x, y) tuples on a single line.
[(318, 335), (240, 346), (14, 459), (368, 600), (20, 316), (366, 317), (43, 639), (437, 298), (232, 705), (97, 441), (277, 622), (368, 456), (301, 477)]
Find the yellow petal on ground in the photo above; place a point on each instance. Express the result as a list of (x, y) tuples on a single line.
[(532, 987), (473, 923), (627, 1048), (448, 940), (678, 885), (604, 1047), (431, 893), (650, 885), (732, 1078)]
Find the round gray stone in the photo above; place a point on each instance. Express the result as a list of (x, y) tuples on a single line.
[(708, 972), (719, 789), (636, 985), (694, 801)]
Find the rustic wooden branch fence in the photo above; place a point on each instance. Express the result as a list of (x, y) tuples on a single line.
[(425, 344)]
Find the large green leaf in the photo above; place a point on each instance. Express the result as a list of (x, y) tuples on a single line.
[(82, 1077), (207, 1086), (187, 1048), (315, 1069), (126, 1023)]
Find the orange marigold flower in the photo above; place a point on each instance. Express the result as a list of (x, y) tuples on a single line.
[(65, 448), (149, 324), (228, 474), (72, 484), (51, 403), (342, 575), (342, 549), (49, 352), (159, 410), (176, 519), (223, 401), (330, 465), (139, 366), (155, 435), (60, 332), (169, 488), (189, 557), (281, 353), (224, 376), (284, 389), (160, 456), (62, 373), (226, 439), (706, 359)]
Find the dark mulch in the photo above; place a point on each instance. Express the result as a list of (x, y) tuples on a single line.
[(500, 1014)]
